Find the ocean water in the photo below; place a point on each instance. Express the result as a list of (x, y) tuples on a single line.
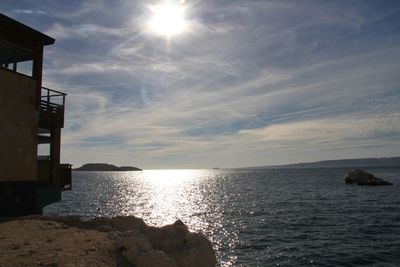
[(303, 217)]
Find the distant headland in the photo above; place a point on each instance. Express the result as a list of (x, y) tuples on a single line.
[(340, 163), (105, 167)]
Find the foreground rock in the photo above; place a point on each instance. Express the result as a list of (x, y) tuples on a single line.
[(360, 177), (119, 241)]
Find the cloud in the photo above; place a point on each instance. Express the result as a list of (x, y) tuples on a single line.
[(251, 83), (29, 11), (346, 128), (82, 31)]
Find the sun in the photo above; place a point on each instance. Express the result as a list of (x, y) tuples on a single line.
[(167, 19)]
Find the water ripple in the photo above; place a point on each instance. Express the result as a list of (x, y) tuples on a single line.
[(256, 218)]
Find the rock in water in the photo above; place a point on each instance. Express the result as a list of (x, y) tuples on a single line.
[(360, 177)]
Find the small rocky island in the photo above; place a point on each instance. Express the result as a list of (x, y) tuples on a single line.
[(360, 177), (118, 241), (104, 167)]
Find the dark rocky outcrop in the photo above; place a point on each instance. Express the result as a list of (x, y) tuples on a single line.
[(360, 177), (105, 167)]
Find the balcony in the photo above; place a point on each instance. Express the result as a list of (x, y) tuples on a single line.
[(51, 108)]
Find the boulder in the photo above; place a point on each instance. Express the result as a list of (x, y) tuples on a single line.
[(197, 251), (133, 244), (167, 238), (154, 258), (184, 247), (360, 177), (128, 223)]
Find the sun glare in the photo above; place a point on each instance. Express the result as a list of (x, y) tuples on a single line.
[(168, 19)]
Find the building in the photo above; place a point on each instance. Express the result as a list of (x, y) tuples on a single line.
[(31, 118)]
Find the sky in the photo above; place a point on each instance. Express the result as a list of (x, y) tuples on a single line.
[(246, 83)]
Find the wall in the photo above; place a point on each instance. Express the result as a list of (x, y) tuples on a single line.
[(18, 127)]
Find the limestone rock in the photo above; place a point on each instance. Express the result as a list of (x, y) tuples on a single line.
[(129, 223), (186, 248), (133, 244), (196, 252), (167, 238), (360, 177), (154, 258), (137, 244)]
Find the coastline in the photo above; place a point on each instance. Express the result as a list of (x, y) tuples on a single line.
[(118, 241)]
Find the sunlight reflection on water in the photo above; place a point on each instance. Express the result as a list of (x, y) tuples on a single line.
[(160, 197), (172, 194)]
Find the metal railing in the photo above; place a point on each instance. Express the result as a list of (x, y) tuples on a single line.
[(52, 107), (51, 96)]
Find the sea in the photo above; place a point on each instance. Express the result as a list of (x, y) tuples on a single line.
[(263, 217)]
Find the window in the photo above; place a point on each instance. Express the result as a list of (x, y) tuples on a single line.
[(25, 67), (16, 59)]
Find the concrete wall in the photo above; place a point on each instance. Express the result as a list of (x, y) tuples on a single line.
[(18, 127)]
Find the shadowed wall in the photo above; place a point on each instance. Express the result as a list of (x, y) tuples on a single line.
[(18, 127)]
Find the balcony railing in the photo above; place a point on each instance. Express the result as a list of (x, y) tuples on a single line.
[(52, 107)]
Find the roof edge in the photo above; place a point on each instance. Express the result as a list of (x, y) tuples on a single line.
[(36, 35)]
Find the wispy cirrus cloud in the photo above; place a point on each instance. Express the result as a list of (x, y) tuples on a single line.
[(251, 83)]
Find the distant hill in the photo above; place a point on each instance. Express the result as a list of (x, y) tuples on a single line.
[(105, 167), (355, 163)]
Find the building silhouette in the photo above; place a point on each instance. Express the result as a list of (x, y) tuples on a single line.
[(31, 119)]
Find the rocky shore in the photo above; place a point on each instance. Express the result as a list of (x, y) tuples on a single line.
[(118, 241)]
